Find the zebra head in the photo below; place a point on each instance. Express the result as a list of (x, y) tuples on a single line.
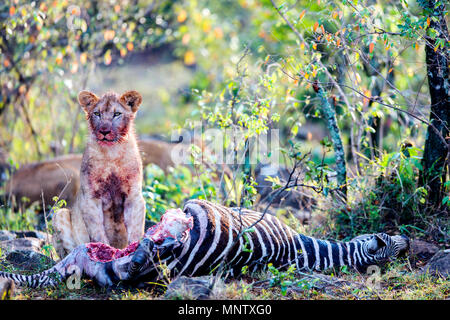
[(146, 256), (382, 247), (142, 257)]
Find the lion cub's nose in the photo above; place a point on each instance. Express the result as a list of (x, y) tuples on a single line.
[(105, 132)]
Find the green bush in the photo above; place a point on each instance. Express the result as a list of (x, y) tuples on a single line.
[(393, 203), (164, 191)]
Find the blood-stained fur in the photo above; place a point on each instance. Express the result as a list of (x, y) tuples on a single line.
[(109, 207)]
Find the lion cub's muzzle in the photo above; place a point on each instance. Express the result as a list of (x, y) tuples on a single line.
[(106, 136)]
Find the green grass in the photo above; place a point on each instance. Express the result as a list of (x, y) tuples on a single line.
[(398, 282), (24, 219)]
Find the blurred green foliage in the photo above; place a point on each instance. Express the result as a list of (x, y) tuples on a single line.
[(249, 72), (49, 50), (53, 46), (162, 192)]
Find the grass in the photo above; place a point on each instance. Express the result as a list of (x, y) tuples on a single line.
[(398, 282), (24, 219)]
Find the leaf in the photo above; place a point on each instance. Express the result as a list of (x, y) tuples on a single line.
[(83, 57), (294, 130), (74, 67), (109, 35), (189, 58), (301, 15), (107, 57), (59, 59), (182, 16)]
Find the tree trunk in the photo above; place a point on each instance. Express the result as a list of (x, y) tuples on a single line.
[(436, 150), (330, 117)]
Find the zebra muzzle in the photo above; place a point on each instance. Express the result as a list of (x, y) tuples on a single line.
[(141, 256)]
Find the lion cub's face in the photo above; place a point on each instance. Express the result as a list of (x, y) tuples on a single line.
[(111, 116)]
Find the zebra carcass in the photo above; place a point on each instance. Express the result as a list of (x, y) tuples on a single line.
[(206, 236)]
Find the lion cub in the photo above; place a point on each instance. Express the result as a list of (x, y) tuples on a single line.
[(109, 207)]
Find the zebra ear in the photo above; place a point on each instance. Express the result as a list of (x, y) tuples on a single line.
[(376, 243)]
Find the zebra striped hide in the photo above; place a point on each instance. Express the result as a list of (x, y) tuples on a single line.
[(213, 241)]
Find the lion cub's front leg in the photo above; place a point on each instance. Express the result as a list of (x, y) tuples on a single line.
[(63, 239), (93, 220), (82, 224), (69, 231), (134, 217)]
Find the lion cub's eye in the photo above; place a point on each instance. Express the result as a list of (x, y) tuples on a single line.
[(96, 113), (116, 114)]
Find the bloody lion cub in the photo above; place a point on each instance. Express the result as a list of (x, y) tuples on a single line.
[(109, 207)]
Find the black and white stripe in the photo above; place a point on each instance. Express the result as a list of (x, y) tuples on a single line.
[(213, 241), (44, 279)]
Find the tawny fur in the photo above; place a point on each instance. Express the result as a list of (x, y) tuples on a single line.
[(109, 207), (45, 180)]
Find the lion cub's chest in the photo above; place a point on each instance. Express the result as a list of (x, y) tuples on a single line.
[(113, 187)]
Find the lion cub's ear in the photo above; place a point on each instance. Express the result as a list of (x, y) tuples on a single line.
[(87, 99), (132, 98)]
